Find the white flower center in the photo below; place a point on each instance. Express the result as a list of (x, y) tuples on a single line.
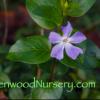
[(65, 40)]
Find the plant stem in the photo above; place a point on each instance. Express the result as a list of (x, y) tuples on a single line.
[(6, 23), (38, 72), (53, 70)]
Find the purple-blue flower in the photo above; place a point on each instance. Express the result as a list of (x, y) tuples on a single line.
[(66, 42)]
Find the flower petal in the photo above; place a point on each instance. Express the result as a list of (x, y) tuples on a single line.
[(67, 30), (54, 37), (73, 51), (78, 37), (57, 51)]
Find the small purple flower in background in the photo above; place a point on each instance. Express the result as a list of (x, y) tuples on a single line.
[(66, 42)]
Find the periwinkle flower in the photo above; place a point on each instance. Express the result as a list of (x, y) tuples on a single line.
[(66, 42)]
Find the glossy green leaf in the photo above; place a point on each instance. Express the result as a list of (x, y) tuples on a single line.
[(46, 13), (79, 7), (31, 50)]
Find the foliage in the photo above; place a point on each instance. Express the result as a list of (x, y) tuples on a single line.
[(27, 53)]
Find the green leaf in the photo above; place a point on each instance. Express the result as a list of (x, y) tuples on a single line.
[(71, 63), (31, 50), (87, 60), (78, 8), (46, 13), (41, 93)]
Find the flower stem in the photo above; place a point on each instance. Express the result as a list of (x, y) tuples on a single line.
[(53, 70), (38, 72)]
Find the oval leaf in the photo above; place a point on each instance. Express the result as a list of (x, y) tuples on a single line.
[(31, 50), (46, 13), (79, 7)]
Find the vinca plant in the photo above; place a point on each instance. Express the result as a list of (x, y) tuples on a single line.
[(60, 51)]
